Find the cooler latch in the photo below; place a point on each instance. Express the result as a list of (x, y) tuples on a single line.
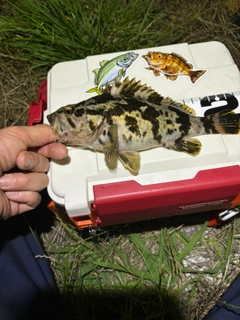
[(232, 211), (227, 214)]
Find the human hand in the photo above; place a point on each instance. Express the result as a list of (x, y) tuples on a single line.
[(24, 153)]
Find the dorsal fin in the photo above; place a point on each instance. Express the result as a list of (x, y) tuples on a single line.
[(133, 88), (188, 64), (166, 102), (143, 92), (103, 62)]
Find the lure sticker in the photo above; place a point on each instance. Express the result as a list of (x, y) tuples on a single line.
[(171, 65), (111, 69)]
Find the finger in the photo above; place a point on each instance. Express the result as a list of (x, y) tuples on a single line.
[(5, 208), (28, 181), (22, 201), (32, 161), (54, 151), (36, 136), (29, 137)]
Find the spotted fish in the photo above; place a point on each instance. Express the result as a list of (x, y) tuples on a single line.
[(129, 117), (171, 65)]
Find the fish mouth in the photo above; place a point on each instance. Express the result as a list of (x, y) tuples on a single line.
[(69, 136), (150, 58), (55, 125), (133, 56), (147, 56)]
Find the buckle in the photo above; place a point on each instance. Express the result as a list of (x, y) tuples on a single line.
[(227, 214)]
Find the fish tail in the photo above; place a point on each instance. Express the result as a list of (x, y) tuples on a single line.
[(93, 90), (195, 75), (225, 122)]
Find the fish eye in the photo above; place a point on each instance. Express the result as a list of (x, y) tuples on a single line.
[(68, 111), (159, 56)]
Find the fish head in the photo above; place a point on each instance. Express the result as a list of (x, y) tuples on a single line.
[(72, 126), (127, 59), (154, 58)]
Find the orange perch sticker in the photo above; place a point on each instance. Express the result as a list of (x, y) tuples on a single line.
[(171, 65)]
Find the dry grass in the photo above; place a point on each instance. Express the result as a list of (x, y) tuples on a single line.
[(18, 86)]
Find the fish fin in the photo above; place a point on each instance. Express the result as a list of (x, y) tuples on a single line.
[(133, 88), (225, 122), (95, 90), (111, 148), (195, 75), (121, 73), (95, 71), (191, 146), (131, 161), (156, 73), (166, 102), (172, 78), (148, 68), (102, 63), (188, 64)]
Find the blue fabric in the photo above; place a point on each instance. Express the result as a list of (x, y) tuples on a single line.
[(27, 288), (228, 306)]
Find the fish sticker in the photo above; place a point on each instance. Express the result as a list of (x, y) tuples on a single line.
[(172, 65), (129, 117), (111, 69)]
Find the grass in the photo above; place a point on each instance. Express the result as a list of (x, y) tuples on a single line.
[(144, 271), (51, 31), (46, 32), (167, 269)]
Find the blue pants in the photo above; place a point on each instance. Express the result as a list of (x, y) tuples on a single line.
[(27, 288), (230, 309)]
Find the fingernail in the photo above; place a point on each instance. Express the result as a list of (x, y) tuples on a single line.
[(6, 181)]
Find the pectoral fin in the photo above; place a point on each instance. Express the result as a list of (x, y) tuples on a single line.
[(130, 160), (111, 148), (189, 145), (121, 73)]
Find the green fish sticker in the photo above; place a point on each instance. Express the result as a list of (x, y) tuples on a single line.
[(111, 69)]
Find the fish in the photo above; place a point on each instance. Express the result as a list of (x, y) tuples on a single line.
[(111, 69), (130, 117), (172, 65)]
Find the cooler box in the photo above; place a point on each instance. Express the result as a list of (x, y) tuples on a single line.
[(169, 183)]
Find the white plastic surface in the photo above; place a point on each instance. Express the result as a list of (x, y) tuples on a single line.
[(72, 179)]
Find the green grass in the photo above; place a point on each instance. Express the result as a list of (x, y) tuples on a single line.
[(47, 32)]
